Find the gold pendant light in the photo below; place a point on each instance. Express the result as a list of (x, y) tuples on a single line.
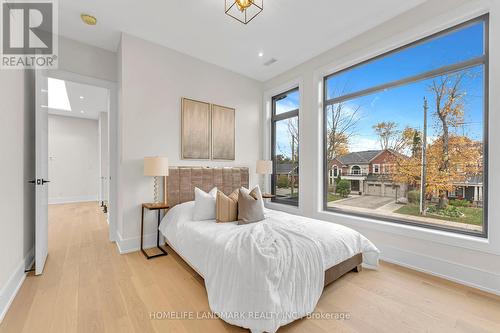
[(243, 10), (88, 19), (243, 4)]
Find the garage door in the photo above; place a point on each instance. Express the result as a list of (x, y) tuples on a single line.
[(374, 189), (391, 191)]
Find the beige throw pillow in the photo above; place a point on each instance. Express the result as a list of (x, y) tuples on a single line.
[(227, 207), (250, 206)]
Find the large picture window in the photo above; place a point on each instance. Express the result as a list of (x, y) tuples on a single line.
[(405, 134), (285, 147)]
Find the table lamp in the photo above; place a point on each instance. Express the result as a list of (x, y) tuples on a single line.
[(156, 167), (264, 167)]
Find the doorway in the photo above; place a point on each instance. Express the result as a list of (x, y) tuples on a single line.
[(77, 143), (354, 185), (80, 130)]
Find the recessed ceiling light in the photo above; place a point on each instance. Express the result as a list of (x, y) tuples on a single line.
[(88, 19), (81, 97), (82, 111), (261, 54)]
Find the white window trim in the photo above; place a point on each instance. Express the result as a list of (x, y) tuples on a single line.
[(335, 171), (486, 245), (378, 168), (360, 169)]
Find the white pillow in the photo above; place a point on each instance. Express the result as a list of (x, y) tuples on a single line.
[(262, 200), (204, 204)]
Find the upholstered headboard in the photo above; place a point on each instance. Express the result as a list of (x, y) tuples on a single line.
[(183, 180)]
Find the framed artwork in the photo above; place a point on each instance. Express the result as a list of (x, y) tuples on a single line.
[(195, 129), (223, 136)]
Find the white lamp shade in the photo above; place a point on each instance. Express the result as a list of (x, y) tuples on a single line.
[(264, 167), (155, 166)]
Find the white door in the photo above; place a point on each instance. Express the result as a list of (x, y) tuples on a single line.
[(391, 191), (374, 189), (41, 167)]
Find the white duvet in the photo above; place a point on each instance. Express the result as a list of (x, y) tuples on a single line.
[(263, 275)]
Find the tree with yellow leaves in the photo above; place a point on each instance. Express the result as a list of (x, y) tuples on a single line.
[(391, 137), (450, 158), (464, 158)]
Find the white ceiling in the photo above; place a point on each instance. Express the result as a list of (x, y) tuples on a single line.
[(94, 101), (292, 31)]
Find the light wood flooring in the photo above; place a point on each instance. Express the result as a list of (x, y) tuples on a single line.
[(88, 286)]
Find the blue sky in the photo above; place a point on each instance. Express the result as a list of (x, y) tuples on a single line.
[(403, 105), (291, 102)]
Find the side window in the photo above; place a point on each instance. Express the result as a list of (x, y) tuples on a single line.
[(285, 147)]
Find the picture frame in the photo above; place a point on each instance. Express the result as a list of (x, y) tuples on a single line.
[(195, 129), (223, 133)]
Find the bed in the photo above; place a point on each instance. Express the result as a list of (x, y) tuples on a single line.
[(321, 248)]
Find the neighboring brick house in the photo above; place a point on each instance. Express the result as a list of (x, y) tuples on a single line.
[(289, 170), (471, 188), (369, 172)]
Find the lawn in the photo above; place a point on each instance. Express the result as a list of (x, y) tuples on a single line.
[(472, 215), (334, 197)]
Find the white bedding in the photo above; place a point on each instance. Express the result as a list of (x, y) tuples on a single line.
[(263, 275)]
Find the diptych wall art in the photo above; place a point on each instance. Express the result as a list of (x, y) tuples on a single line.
[(207, 131)]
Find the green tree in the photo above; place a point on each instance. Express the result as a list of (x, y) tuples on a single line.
[(343, 188)]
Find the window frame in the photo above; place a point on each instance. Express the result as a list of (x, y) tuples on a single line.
[(274, 119), (384, 169), (358, 169), (481, 60)]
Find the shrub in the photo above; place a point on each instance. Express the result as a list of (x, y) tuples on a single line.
[(343, 188), (450, 211), (338, 179), (459, 203), (414, 196), (282, 181)]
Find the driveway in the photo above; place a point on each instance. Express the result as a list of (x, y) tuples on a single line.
[(364, 201)]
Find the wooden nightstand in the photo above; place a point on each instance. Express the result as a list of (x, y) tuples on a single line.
[(158, 207)]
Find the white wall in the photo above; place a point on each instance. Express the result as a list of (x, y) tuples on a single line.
[(73, 159), (17, 222), (469, 260), (153, 80), (86, 60)]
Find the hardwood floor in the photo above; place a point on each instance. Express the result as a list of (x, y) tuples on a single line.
[(88, 286)]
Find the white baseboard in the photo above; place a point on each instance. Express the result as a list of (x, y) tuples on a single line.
[(62, 200), (9, 291), (129, 245), (466, 275)]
